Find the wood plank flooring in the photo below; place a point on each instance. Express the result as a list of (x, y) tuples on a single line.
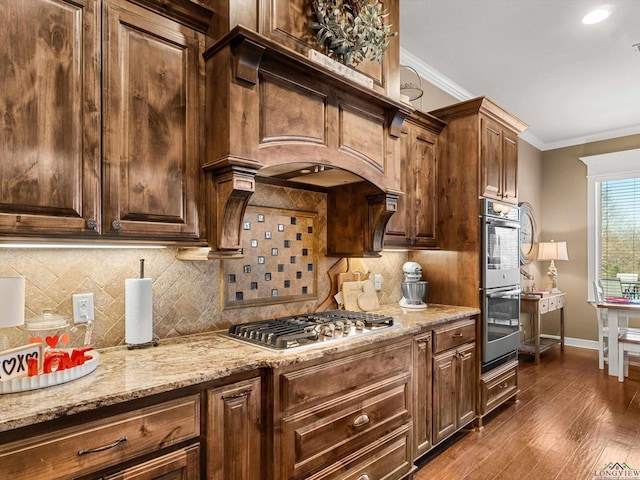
[(570, 419)]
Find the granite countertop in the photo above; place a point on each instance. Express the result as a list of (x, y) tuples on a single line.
[(124, 374)]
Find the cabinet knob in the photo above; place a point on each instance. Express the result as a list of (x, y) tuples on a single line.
[(364, 476), (361, 420), (92, 224), (116, 224)]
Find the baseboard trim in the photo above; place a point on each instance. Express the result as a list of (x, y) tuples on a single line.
[(589, 345)]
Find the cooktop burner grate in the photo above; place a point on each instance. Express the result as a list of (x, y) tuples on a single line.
[(311, 329)]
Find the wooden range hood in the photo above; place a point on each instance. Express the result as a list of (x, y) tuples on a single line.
[(269, 107)]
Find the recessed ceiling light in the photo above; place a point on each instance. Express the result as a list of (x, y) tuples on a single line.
[(597, 15)]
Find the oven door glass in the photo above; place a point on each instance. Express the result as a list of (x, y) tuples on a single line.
[(502, 253), (501, 322)]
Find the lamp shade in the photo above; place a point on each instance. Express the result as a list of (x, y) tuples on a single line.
[(11, 301), (552, 251)]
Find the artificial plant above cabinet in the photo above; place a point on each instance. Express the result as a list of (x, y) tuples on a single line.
[(87, 77)]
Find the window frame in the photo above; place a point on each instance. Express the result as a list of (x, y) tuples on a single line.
[(601, 168)]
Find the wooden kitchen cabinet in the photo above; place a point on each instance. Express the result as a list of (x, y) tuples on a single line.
[(102, 122), (454, 378), (234, 431), (479, 150), (422, 393), (498, 162), (152, 74), (182, 464), (50, 135), (97, 445), (346, 416), (414, 224)]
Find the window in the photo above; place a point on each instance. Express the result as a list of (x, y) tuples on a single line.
[(613, 195)]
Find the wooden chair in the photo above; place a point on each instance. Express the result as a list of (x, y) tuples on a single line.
[(603, 326), (629, 341)]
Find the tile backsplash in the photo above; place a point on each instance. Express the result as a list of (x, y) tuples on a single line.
[(188, 296)]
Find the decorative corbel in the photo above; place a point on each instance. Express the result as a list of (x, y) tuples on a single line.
[(380, 208)]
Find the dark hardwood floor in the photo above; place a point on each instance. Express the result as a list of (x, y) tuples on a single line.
[(570, 420)]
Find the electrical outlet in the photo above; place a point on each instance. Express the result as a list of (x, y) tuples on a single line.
[(377, 281), (82, 307)]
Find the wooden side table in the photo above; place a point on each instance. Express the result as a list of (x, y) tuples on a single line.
[(536, 306)]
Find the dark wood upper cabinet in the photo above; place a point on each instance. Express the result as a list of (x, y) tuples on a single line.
[(414, 224), (101, 113), (151, 77), (50, 110)]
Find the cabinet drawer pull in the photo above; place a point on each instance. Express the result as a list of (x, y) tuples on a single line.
[(364, 476), (361, 420), (456, 335), (103, 448), (116, 225), (503, 385), (240, 394)]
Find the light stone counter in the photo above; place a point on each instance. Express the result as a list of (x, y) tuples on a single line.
[(124, 374)]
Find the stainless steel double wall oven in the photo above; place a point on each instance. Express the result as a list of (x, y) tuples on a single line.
[(500, 290)]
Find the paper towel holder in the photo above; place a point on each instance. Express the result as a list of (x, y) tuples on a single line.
[(154, 341)]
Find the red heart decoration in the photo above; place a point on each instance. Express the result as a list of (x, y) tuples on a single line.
[(65, 339), (35, 340), (52, 341)]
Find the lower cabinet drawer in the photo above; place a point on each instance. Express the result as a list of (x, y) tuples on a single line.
[(496, 388), (331, 432), (75, 451), (389, 458), (453, 335), (183, 464)]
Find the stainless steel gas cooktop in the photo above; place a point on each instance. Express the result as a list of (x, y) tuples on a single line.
[(310, 330)]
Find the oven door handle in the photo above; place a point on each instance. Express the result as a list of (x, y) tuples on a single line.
[(502, 223), (503, 293)]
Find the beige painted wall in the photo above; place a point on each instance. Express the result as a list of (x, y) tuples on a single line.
[(564, 217)]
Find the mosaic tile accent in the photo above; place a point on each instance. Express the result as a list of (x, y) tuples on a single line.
[(283, 280)]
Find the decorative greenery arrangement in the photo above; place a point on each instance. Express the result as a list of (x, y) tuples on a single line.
[(352, 30)]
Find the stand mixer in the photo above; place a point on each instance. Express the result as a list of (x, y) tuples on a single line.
[(413, 289)]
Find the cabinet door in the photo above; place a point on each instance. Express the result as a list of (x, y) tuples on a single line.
[(466, 385), (422, 393), (510, 167), (445, 410), (397, 233), (234, 435), (50, 111), (181, 465), (414, 224), (151, 70), (490, 159), (424, 191)]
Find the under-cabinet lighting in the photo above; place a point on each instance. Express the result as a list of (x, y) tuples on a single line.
[(43, 246), (597, 15)]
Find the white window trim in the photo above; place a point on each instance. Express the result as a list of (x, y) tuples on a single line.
[(601, 168)]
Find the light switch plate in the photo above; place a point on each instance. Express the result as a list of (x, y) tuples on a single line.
[(377, 282), (82, 307)]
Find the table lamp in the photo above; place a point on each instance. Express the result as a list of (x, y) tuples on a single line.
[(553, 251), (12, 306)]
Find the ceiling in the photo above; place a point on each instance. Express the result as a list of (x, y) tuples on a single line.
[(571, 83)]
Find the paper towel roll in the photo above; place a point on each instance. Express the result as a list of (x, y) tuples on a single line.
[(138, 310)]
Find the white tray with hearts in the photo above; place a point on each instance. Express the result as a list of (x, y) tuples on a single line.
[(11, 362)]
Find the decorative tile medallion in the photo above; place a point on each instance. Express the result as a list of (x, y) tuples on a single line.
[(285, 258)]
